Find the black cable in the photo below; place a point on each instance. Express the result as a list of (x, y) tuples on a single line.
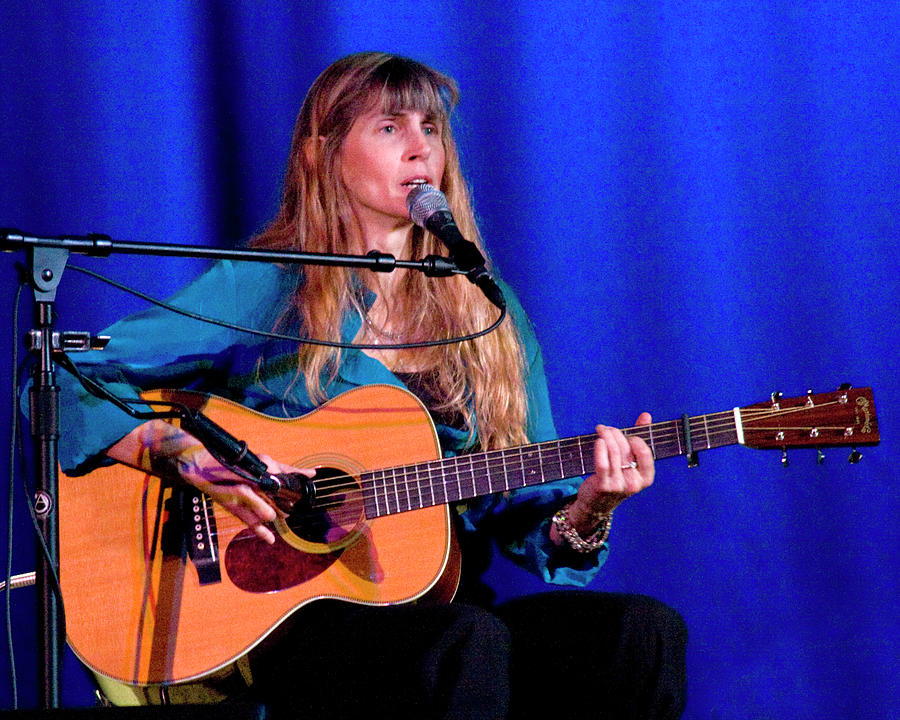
[(280, 336), (241, 461), (13, 442)]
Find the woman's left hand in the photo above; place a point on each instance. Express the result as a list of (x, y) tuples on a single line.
[(623, 466)]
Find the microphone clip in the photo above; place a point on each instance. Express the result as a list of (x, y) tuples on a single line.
[(286, 489)]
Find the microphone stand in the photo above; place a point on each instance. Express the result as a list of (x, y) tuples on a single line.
[(46, 266), (47, 261)]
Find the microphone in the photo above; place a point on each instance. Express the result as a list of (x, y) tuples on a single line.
[(227, 449), (428, 208)]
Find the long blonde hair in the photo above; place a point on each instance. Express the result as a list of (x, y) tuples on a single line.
[(481, 379)]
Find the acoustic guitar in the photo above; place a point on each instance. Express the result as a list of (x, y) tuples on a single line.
[(161, 587)]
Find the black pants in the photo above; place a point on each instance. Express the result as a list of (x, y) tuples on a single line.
[(572, 654)]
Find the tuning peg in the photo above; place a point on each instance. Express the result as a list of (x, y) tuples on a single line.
[(784, 459), (820, 457), (855, 456), (776, 399)]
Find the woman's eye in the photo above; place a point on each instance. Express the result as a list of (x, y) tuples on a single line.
[(389, 129)]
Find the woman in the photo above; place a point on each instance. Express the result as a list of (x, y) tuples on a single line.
[(372, 128)]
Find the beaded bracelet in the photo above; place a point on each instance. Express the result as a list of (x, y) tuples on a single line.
[(583, 545)]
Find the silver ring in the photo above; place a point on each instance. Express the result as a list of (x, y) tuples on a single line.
[(630, 466)]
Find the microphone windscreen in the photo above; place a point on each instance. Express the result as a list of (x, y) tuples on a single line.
[(423, 201)]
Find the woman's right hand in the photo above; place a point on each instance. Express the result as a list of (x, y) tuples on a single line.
[(165, 450), (197, 466)]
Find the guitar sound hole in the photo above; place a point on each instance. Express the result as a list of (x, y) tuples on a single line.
[(336, 510)]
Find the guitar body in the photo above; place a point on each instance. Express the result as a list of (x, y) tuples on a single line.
[(139, 612)]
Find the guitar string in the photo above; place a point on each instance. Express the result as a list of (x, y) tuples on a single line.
[(496, 460), (401, 490), (348, 488), (524, 460)]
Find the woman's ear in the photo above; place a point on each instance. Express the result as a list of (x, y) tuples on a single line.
[(311, 147)]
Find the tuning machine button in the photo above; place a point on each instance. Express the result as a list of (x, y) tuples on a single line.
[(855, 456), (844, 399)]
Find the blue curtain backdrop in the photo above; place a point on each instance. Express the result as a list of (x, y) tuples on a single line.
[(696, 202)]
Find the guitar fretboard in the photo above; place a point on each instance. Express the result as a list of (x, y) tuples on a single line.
[(438, 482)]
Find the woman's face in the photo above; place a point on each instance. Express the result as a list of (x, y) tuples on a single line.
[(382, 158)]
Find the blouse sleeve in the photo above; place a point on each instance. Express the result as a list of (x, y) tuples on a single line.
[(519, 520), (157, 348)]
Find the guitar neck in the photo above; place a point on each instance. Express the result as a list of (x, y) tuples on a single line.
[(438, 482)]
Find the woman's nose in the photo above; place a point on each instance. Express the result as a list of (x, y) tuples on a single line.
[(418, 146)]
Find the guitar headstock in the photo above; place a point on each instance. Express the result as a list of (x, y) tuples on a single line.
[(845, 417)]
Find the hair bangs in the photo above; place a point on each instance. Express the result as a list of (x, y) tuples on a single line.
[(402, 85)]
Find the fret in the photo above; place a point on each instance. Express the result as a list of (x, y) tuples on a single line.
[(706, 429), (572, 458), (415, 494), (383, 509), (470, 462), (652, 441), (367, 487), (672, 446), (429, 484), (386, 492), (734, 433), (454, 489), (415, 490), (505, 471), (406, 489), (393, 492), (373, 508), (482, 473), (399, 488), (438, 492), (442, 485), (562, 471), (520, 467), (447, 479), (380, 493), (530, 474)]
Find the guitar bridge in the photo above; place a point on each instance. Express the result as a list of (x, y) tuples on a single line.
[(203, 543), (191, 527)]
